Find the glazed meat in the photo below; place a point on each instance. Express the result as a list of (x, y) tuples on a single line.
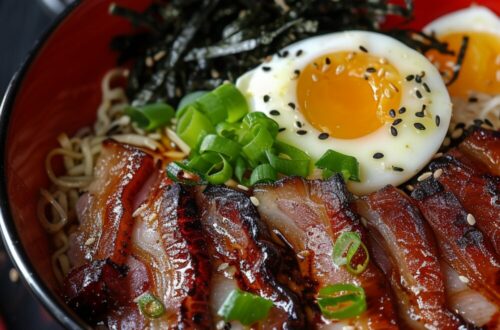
[(478, 193), (242, 250), (483, 146), (309, 216), (405, 250), (462, 245)]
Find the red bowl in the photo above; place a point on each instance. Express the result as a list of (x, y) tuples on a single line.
[(58, 90)]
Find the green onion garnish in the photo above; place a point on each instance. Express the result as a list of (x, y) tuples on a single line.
[(341, 301), (150, 306), (335, 162), (344, 250), (263, 173), (244, 307), (213, 107), (255, 149), (182, 173), (221, 172), (290, 160), (188, 99), (193, 126), (220, 145), (235, 103), (151, 116)]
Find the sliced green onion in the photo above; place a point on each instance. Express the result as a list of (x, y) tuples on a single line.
[(326, 174), (150, 306), (340, 163), (263, 173), (296, 163), (220, 145), (341, 301), (203, 163), (228, 130), (244, 307), (193, 126), (188, 99), (255, 149), (224, 173), (253, 119), (177, 172), (345, 248), (240, 169), (213, 107), (151, 116), (235, 102)]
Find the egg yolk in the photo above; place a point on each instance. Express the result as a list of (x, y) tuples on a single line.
[(348, 94), (480, 71)]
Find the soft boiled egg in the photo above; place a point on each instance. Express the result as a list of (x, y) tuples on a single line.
[(359, 93)]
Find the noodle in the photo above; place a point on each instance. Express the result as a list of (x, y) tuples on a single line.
[(483, 107)]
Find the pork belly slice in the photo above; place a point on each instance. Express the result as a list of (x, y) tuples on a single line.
[(105, 212), (310, 216), (483, 146), (478, 193), (462, 245), (406, 252), (168, 238), (244, 255)]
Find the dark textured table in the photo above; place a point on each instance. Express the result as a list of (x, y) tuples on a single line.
[(21, 22)]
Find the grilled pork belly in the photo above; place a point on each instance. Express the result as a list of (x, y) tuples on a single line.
[(483, 146), (462, 245), (309, 216), (478, 193), (405, 250), (244, 255)]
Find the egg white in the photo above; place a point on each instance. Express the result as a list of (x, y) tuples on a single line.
[(411, 149), (475, 18)]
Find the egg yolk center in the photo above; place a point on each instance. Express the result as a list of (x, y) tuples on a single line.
[(348, 94), (480, 71)]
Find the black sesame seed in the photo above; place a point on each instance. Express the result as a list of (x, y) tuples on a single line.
[(274, 113), (363, 49), (397, 169), (299, 124), (422, 74), (378, 155), (299, 52), (418, 79), (266, 98), (323, 136), (419, 126), (328, 61), (426, 87), (281, 129), (473, 99), (397, 121), (392, 113), (478, 122), (402, 110), (297, 72), (291, 105), (420, 114), (371, 69), (488, 122), (424, 107), (418, 93), (266, 68), (459, 125), (438, 120), (394, 131), (301, 132), (410, 77)]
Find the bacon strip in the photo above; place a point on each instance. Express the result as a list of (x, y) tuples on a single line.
[(409, 258), (462, 245), (239, 240), (478, 193), (483, 146), (310, 216)]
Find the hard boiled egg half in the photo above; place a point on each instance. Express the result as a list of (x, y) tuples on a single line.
[(359, 93)]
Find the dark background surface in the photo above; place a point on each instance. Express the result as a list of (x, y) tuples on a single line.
[(21, 23)]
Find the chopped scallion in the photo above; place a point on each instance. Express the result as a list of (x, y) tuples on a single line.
[(244, 307), (150, 306), (345, 248), (341, 301), (193, 126), (223, 173), (219, 144), (187, 100), (263, 173), (337, 162), (235, 103), (151, 116)]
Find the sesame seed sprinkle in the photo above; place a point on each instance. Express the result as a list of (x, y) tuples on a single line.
[(378, 155), (387, 93), (291, 105), (266, 68), (298, 124), (410, 187), (424, 176), (301, 132), (471, 220), (282, 129), (339, 69), (394, 131), (402, 110), (418, 94), (323, 136), (397, 121), (297, 72), (266, 98), (418, 79), (394, 88), (299, 52), (274, 113), (457, 133), (242, 187), (410, 77), (314, 78), (254, 200), (473, 99), (392, 113), (438, 120), (328, 61), (488, 122), (437, 173), (363, 49), (478, 122), (438, 155), (371, 69), (419, 126), (426, 87), (420, 114), (397, 169), (463, 279)]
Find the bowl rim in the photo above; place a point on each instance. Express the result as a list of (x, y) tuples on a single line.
[(10, 236)]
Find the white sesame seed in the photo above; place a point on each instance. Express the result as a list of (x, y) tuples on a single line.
[(255, 201), (410, 187), (339, 69), (498, 75), (381, 72), (13, 275), (471, 220), (393, 87), (438, 173), (446, 142), (383, 60), (463, 279), (222, 266), (90, 241), (242, 187), (424, 176), (149, 62), (314, 78), (387, 93), (158, 56), (438, 155), (350, 56), (457, 133)]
